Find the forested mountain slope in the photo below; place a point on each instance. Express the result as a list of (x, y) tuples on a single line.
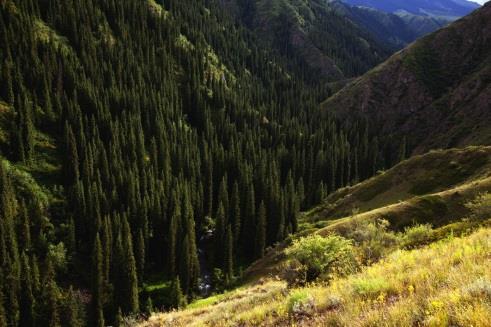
[(128, 130), (333, 40), (438, 90), (313, 34)]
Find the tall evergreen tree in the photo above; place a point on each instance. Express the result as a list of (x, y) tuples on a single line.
[(3, 313), (229, 256), (131, 287), (26, 297), (97, 284), (72, 172), (140, 257), (177, 298), (219, 235), (260, 240), (73, 308), (3, 317), (235, 214), (51, 296)]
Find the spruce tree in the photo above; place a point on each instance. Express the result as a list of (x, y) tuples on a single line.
[(172, 238), (25, 232), (140, 257), (26, 302), (178, 300), (3, 316), (184, 266), (3, 313), (118, 320), (71, 165), (219, 235), (97, 284), (131, 282), (193, 264), (73, 318), (235, 213), (51, 296), (260, 240), (149, 306), (27, 128), (229, 254)]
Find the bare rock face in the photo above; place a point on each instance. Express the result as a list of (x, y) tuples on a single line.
[(438, 90)]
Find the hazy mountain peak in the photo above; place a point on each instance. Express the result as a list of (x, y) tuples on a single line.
[(437, 8)]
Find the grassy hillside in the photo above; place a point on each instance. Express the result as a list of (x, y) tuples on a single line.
[(431, 188), (445, 283), (430, 173)]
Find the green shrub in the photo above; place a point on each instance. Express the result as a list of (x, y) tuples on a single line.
[(333, 302), (481, 289), (294, 273), (373, 238), (57, 254), (218, 280), (328, 256), (371, 287), (301, 302), (417, 235), (480, 206)]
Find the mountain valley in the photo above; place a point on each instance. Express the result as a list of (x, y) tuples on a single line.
[(245, 163)]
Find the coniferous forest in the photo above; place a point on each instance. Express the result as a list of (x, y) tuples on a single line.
[(131, 131)]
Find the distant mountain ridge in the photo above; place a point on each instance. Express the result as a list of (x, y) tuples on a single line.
[(397, 30), (437, 8)]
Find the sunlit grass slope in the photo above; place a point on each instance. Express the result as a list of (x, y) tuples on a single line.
[(446, 283)]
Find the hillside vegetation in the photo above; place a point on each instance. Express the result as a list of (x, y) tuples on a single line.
[(438, 171), (428, 189), (445, 284), (419, 276)]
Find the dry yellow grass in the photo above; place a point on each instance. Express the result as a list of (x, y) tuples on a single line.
[(247, 304), (446, 283)]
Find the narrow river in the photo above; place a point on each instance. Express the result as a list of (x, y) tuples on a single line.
[(205, 280)]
